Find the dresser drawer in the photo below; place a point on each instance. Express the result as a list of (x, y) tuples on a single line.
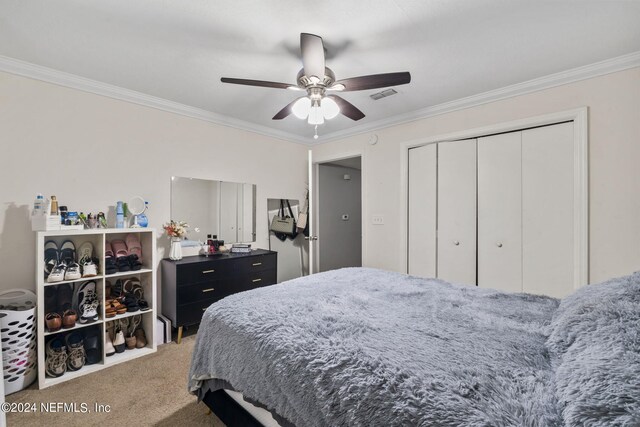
[(256, 279), (216, 289), (189, 314), (205, 271), (257, 263)]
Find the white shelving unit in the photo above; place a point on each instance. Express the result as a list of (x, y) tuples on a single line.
[(146, 275)]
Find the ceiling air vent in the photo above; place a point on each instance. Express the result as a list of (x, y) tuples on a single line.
[(383, 94)]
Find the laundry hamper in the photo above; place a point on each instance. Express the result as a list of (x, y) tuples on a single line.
[(18, 322)]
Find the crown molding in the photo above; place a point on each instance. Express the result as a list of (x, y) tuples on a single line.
[(26, 69), (608, 66), (61, 78)]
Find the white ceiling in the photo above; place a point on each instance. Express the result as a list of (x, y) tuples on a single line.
[(178, 50)]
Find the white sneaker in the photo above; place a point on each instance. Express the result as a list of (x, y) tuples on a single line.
[(73, 271), (86, 299), (89, 269), (57, 275)]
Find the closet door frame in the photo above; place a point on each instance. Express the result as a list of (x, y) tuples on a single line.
[(579, 117)]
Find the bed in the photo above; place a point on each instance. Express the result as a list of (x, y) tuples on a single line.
[(359, 347)]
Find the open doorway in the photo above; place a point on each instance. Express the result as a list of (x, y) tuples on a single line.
[(339, 222)]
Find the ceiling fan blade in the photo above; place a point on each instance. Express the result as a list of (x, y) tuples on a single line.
[(285, 111), (260, 83), (375, 81), (347, 108), (312, 55)]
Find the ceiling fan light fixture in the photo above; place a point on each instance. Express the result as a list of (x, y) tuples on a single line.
[(315, 115), (314, 79), (330, 108), (301, 107), (337, 86)]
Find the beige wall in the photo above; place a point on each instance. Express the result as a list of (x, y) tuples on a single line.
[(91, 151), (614, 161)]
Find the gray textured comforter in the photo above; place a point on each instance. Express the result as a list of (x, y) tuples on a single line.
[(363, 347)]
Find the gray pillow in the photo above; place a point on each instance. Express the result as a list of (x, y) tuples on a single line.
[(594, 344)]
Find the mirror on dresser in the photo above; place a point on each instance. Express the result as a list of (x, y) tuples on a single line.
[(226, 209)]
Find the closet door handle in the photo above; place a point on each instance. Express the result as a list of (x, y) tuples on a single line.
[(499, 244), (455, 242), (207, 271)]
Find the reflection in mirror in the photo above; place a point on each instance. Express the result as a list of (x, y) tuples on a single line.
[(226, 209)]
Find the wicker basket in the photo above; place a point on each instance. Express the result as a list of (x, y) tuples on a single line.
[(19, 339)]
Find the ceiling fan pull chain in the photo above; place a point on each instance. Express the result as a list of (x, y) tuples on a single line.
[(316, 134)]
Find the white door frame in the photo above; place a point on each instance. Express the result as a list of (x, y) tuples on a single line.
[(316, 161), (579, 116)]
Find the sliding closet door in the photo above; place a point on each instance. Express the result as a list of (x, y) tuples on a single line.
[(457, 211), (547, 210), (500, 212), (422, 211)]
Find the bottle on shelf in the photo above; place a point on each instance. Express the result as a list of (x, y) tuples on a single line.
[(38, 205), (54, 206), (119, 215), (216, 243), (210, 244)]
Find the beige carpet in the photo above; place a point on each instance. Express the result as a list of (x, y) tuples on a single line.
[(151, 390)]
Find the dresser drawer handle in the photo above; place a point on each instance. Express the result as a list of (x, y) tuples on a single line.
[(208, 290), (256, 280), (256, 263), (207, 271)]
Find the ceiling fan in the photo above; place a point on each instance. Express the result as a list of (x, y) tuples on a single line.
[(320, 82)]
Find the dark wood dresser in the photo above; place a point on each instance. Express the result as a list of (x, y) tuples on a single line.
[(192, 284)]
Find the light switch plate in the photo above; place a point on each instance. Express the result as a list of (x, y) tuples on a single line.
[(377, 220)]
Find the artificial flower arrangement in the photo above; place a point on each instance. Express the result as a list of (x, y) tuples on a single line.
[(176, 228)]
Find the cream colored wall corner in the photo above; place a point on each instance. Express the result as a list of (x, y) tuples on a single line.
[(91, 151), (614, 166)]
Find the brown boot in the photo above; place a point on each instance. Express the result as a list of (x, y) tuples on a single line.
[(141, 338)]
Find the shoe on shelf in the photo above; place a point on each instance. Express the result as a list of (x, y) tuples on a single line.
[(68, 251), (69, 319), (73, 271), (57, 275), (109, 260), (65, 297), (131, 342), (107, 290), (75, 351), (141, 338), (86, 299), (85, 252), (134, 262), (89, 269), (53, 321), (56, 357), (118, 341), (133, 287), (50, 299), (109, 349), (51, 257), (133, 245), (92, 350), (131, 302)]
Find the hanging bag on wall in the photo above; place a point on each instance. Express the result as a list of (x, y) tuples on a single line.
[(303, 217), (283, 225)]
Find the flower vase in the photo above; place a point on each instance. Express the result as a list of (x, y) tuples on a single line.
[(175, 253)]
